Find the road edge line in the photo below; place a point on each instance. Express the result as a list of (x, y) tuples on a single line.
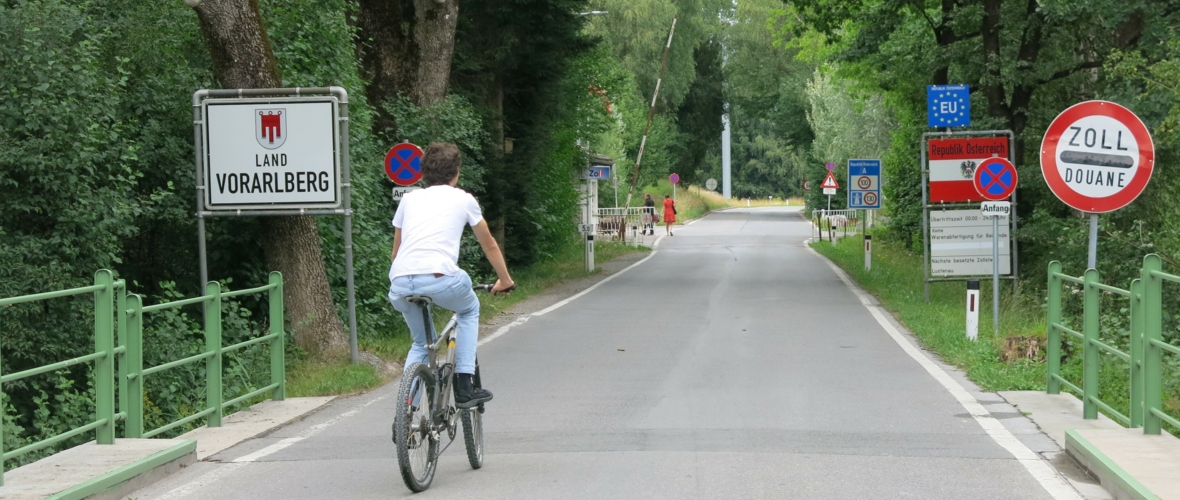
[(554, 307), (1045, 475)]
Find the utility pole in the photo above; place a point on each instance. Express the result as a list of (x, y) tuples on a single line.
[(725, 158)]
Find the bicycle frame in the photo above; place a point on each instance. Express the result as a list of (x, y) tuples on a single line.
[(442, 373)]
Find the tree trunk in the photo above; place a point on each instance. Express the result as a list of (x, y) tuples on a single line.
[(993, 87), (242, 58), (405, 48), (434, 32), (388, 53), (498, 221)]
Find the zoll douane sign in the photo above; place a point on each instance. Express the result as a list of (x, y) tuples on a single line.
[(953, 163), (279, 153), (1097, 156)]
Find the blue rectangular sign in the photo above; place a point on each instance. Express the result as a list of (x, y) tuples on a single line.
[(948, 105), (864, 184), (597, 173)]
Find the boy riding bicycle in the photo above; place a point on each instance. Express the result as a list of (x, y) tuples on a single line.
[(428, 225)]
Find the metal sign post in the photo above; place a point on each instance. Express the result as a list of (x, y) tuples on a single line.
[(245, 165), (995, 179)]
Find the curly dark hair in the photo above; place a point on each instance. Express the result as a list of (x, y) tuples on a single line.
[(441, 163)]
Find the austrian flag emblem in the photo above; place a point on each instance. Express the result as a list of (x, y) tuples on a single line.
[(271, 127)]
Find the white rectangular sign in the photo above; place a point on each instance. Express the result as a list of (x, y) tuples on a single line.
[(399, 192), (961, 244), (829, 191), (274, 153), (999, 209)]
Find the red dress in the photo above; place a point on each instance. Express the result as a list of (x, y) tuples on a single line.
[(669, 210)]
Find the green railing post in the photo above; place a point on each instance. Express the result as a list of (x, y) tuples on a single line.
[(1053, 344), (1152, 330), (121, 341), (1, 428), (278, 373), (134, 359), (213, 345), (1136, 353), (1091, 357), (104, 367)]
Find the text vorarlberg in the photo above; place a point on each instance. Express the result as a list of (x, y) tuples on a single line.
[(272, 182)]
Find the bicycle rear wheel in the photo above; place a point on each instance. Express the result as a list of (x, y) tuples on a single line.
[(417, 444)]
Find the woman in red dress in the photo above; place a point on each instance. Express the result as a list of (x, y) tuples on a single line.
[(669, 214)]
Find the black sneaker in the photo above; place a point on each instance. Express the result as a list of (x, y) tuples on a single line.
[(468, 396)]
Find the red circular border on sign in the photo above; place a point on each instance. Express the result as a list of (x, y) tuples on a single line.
[(1008, 165), (675, 178), (1049, 157), (414, 151)]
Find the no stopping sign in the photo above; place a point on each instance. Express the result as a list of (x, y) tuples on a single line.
[(1097, 156)]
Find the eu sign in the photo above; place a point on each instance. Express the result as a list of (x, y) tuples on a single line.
[(948, 106)]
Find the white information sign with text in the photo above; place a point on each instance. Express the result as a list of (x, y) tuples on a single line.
[(280, 153), (961, 244)]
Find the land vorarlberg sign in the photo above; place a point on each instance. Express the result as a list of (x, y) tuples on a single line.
[(275, 153)]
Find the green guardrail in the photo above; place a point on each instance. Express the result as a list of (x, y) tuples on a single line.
[(1147, 346), (112, 301)]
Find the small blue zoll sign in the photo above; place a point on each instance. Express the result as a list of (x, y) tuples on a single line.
[(948, 105)]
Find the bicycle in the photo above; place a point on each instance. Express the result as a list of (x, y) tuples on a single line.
[(426, 406)]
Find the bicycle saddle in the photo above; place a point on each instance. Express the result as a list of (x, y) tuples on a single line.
[(420, 300)]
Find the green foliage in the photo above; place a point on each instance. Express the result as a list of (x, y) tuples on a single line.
[(768, 107)]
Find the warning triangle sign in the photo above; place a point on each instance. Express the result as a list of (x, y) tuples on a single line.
[(830, 182)]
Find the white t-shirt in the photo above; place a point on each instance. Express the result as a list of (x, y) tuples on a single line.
[(432, 221)]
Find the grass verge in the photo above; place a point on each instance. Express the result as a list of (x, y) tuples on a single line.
[(896, 280), (314, 377)]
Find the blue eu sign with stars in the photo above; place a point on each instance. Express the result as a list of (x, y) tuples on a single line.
[(948, 105)]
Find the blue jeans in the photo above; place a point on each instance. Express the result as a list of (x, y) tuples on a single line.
[(449, 292)]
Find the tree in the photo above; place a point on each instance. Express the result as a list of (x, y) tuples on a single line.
[(405, 48), (242, 58)]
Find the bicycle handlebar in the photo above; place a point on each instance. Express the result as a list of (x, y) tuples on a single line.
[(488, 288)]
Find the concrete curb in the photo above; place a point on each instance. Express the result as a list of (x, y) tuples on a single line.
[(117, 483), (1114, 478)]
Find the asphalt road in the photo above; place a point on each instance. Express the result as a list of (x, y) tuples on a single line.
[(734, 363)]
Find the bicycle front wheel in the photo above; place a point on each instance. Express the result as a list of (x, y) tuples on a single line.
[(473, 428), (413, 428)]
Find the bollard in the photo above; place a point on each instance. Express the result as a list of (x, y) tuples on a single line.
[(973, 309), (868, 252)]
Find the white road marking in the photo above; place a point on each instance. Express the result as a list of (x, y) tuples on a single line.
[(504, 329), (253, 457), (1042, 471), (554, 307), (221, 470)]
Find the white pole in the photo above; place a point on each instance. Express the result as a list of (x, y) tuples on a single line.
[(973, 309), (868, 252), (725, 158), (1092, 255)]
